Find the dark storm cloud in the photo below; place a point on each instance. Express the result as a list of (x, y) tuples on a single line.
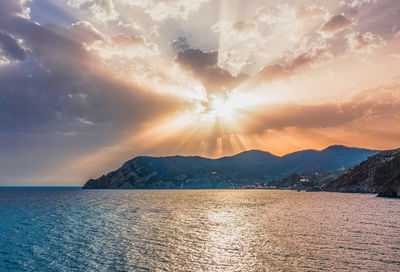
[(204, 66)]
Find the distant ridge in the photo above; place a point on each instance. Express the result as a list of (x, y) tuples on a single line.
[(243, 169)]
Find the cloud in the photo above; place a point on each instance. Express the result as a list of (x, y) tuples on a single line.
[(282, 18), (364, 43), (63, 98), (15, 7), (244, 46), (123, 40), (3, 60), (305, 116), (161, 10), (180, 44), (11, 48), (78, 3), (43, 91), (217, 80), (204, 65), (86, 32), (104, 11), (316, 54), (125, 52), (313, 12), (335, 24), (359, 3), (245, 27), (248, 45), (367, 108)]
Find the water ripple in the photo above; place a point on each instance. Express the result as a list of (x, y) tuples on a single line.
[(197, 230)]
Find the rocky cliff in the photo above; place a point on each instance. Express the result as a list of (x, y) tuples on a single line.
[(391, 188), (376, 174), (250, 168)]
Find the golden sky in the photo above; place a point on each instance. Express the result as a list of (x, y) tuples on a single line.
[(87, 84)]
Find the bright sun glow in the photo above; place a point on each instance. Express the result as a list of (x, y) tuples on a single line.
[(221, 109), (227, 108)]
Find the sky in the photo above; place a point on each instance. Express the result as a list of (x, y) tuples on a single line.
[(88, 84)]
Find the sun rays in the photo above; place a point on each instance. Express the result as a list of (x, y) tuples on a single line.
[(216, 116), (265, 50), (119, 78)]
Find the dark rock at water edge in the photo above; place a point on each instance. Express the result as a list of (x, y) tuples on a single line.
[(377, 174), (391, 188)]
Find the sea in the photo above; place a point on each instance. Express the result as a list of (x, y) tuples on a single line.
[(71, 229)]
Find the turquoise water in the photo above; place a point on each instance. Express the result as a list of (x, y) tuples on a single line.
[(69, 229)]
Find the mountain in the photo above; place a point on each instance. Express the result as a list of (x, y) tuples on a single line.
[(377, 174), (238, 171)]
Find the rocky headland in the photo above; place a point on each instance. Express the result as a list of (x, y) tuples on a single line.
[(379, 174)]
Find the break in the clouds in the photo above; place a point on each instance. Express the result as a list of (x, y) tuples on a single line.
[(87, 84)]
